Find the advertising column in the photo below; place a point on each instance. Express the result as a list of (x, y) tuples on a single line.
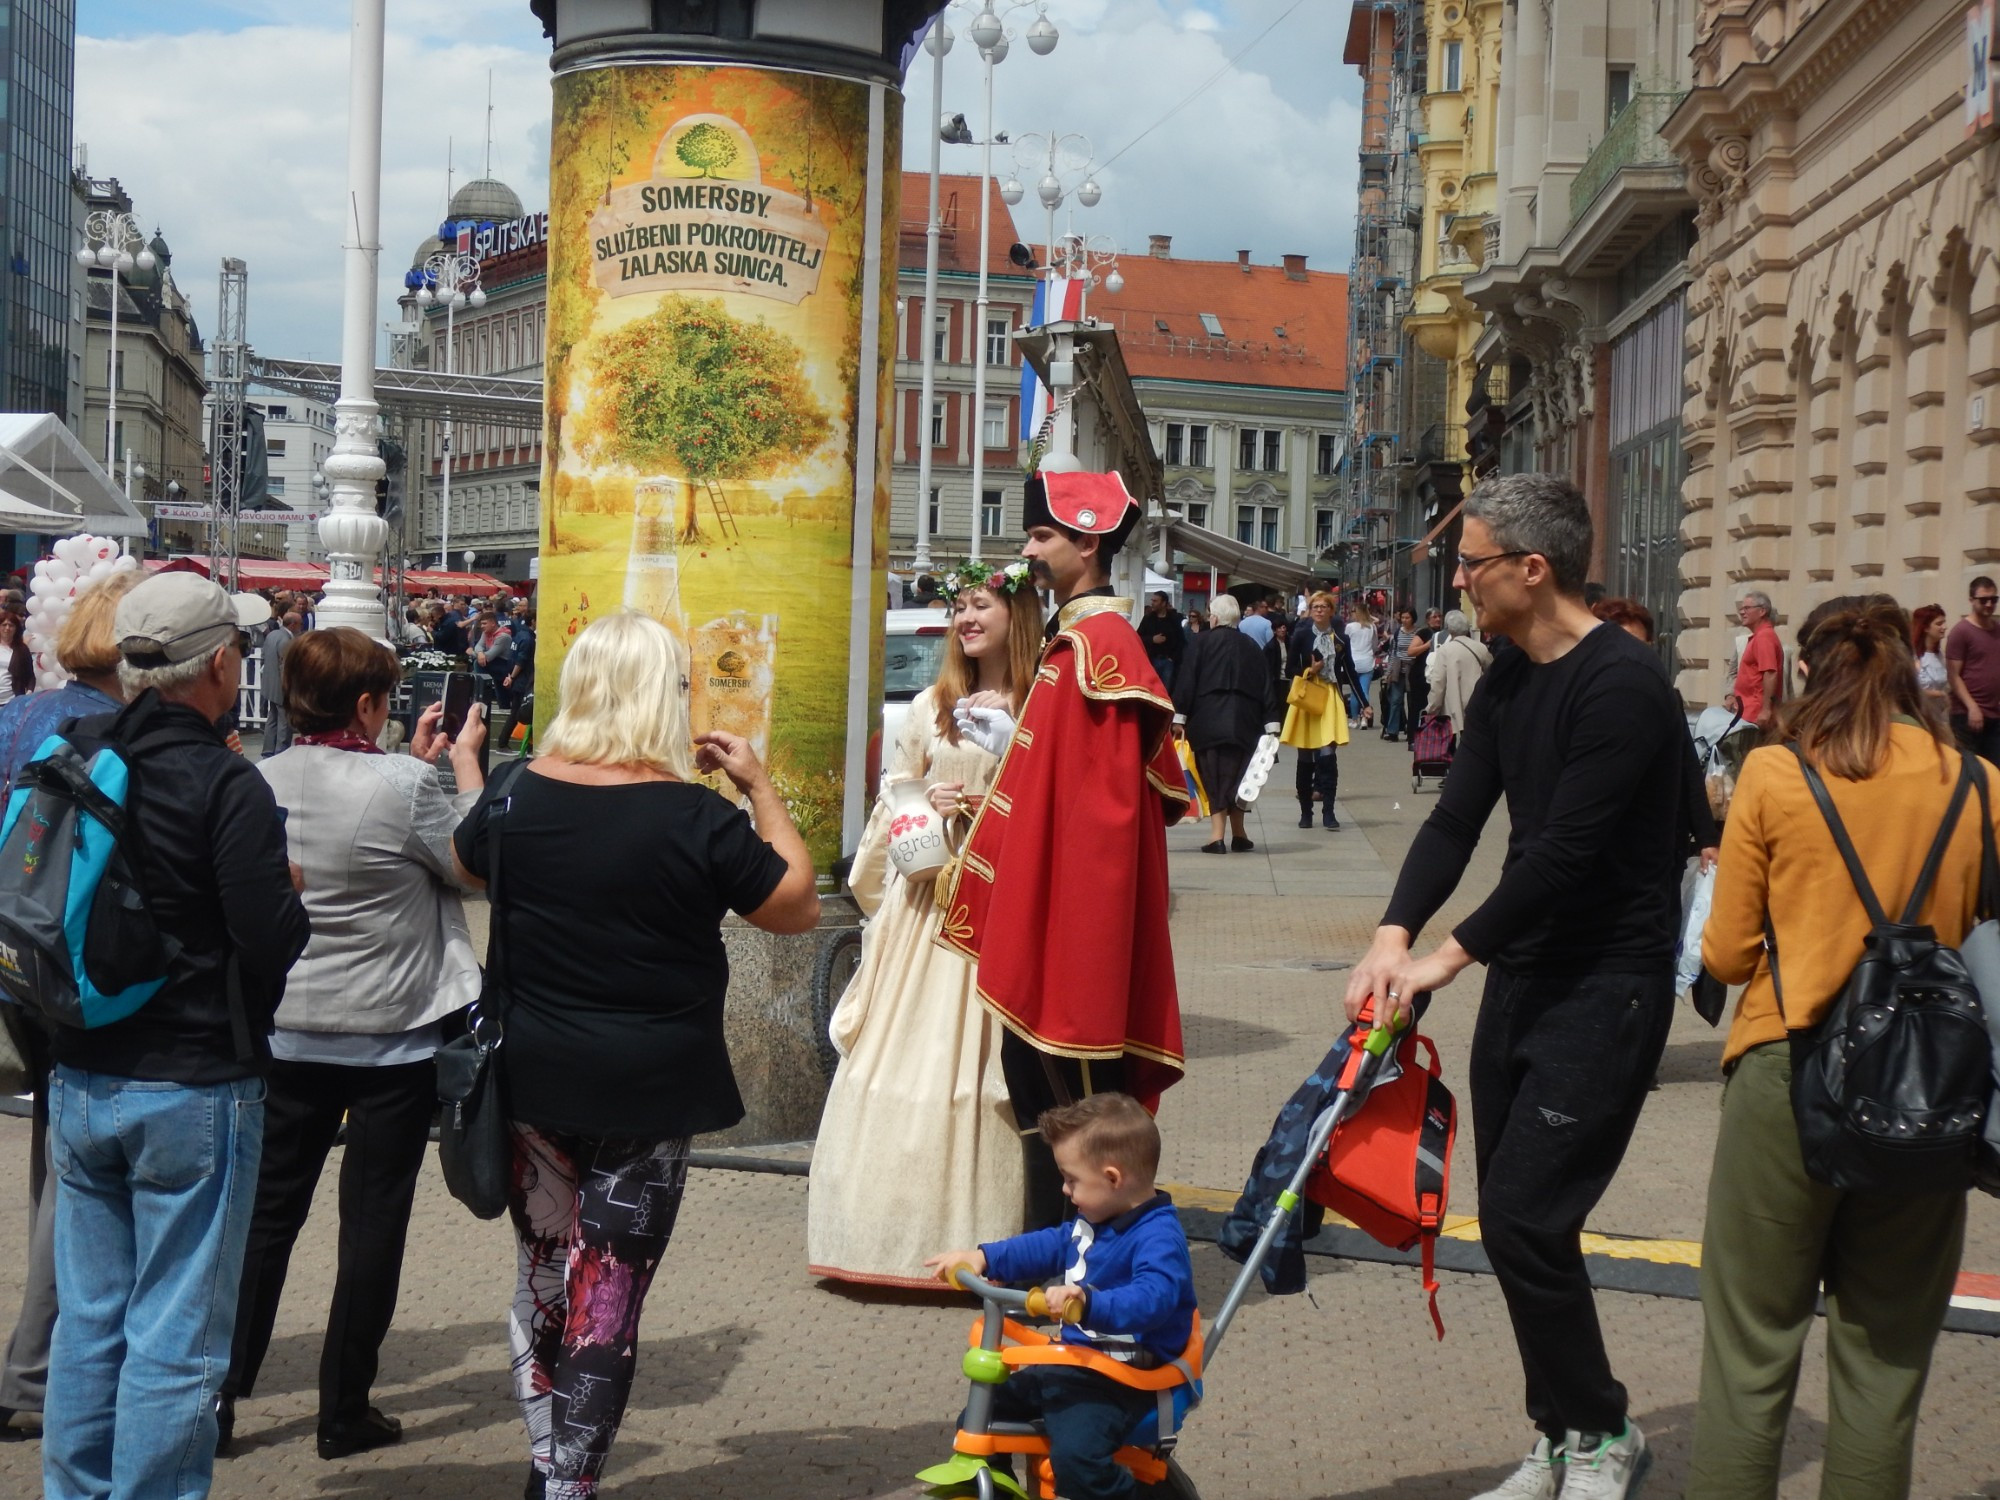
[(717, 391)]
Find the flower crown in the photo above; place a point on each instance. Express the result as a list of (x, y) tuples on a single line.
[(1010, 579)]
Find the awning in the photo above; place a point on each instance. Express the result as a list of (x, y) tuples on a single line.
[(50, 485), (453, 583), (281, 573), (1239, 560), (1432, 535)]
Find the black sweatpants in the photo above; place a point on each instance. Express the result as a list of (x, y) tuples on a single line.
[(388, 1112), (1038, 1080), (1561, 1065), (1318, 770)]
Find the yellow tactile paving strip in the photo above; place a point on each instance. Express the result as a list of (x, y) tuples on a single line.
[(1466, 1227)]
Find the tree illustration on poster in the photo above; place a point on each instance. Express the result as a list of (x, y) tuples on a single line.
[(706, 148), (699, 395)]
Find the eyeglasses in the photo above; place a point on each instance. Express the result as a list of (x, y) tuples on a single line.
[(1470, 565), (1986, 598)]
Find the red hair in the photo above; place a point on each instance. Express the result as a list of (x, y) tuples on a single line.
[(1920, 625)]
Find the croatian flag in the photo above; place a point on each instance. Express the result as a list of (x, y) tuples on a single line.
[(1057, 300), (465, 238)]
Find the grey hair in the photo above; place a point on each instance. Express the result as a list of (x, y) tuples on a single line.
[(180, 674), (1759, 598), (1539, 513), (1227, 610), (1456, 623)]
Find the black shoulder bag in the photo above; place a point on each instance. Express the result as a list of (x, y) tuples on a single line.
[(1890, 1090), (473, 1145)]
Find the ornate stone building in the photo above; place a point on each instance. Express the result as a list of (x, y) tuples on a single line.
[(1843, 428)]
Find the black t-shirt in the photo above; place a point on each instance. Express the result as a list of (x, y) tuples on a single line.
[(612, 902), (1588, 751)]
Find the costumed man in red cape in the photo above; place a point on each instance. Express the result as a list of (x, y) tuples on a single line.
[(1060, 895)]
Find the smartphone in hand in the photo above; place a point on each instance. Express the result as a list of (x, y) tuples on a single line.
[(457, 701)]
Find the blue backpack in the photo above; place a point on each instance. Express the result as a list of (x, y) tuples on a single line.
[(78, 943)]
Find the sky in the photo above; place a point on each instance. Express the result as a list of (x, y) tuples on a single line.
[(226, 121)]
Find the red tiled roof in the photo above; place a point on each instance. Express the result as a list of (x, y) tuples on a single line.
[(958, 234), (1251, 306)]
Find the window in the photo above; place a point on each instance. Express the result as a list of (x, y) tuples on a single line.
[(931, 525), (1197, 513), (1198, 445), (1246, 448), (941, 336), (275, 447), (937, 424), (1176, 441), (275, 485), (1454, 58), (994, 428), (278, 413), (1329, 449), (118, 378), (1617, 93), (991, 512), (996, 341), (1273, 448), (118, 441), (1211, 325), (1257, 526), (1322, 530)]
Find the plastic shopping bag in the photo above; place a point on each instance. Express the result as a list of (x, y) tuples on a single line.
[(1697, 892)]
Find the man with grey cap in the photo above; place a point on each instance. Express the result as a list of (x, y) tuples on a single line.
[(158, 1119)]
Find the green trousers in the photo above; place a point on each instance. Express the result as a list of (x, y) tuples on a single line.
[(1774, 1238)]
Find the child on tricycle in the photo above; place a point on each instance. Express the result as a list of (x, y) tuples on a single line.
[(1126, 1302)]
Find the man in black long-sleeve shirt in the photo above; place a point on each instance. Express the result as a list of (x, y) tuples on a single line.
[(1578, 729), (156, 1121)]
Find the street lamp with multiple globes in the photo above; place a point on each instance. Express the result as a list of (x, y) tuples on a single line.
[(1067, 166), (988, 32), (450, 279), (114, 241)]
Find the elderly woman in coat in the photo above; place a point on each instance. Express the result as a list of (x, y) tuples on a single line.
[(1456, 667), (1225, 698)]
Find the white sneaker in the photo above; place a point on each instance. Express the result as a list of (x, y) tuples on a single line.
[(1536, 1479), (1606, 1468)]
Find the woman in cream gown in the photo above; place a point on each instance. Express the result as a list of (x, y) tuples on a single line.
[(918, 1149)]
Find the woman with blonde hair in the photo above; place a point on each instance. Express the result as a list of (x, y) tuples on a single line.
[(918, 1146), (608, 971), (1788, 923), (1361, 647)]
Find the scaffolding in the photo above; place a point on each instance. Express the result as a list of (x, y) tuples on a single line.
[(229, 357), (1388, 223)]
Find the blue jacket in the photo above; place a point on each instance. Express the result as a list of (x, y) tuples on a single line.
[(1135, 1268)]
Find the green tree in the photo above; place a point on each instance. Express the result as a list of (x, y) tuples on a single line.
[(707, 148), (692, 392)]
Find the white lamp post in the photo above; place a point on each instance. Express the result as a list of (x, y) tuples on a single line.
[(113, 240), (1065, 164), (350, 530), (937, 44), (989, 33), (452, 280)]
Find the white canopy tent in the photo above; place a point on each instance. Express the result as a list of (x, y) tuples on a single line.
[(50, 484)]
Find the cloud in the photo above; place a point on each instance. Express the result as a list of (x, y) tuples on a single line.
[(246, 156), (1263, 159)]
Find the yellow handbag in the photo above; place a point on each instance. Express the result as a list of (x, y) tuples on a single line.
[(1197, 793), (1315, 718)]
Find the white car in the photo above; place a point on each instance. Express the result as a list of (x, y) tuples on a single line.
[(912, 650)]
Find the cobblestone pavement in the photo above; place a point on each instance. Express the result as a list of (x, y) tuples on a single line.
[(755, 1381)]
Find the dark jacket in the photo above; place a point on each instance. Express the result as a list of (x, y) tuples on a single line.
[(212, 853), (1226, 691), (1300, 652), (1168, 625)]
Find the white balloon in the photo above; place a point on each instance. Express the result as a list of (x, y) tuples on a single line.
[(125, 565), (99, 569)]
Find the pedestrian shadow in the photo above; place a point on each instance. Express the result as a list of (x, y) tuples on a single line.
[(681, 1370), (1225, 1036), (1698, 1061)]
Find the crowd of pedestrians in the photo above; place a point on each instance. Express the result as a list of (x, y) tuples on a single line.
[(320, 957)]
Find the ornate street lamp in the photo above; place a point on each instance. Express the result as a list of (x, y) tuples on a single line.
[(113, 241), (450, 280)]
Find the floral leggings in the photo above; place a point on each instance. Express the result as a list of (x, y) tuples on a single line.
[(591, 1221)]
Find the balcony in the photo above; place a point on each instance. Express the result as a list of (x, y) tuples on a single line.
[(1632, 141)]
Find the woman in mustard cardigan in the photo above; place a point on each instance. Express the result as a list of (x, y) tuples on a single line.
[(1774, 1236)]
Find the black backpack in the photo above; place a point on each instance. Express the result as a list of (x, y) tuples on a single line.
[(1890, 1090)]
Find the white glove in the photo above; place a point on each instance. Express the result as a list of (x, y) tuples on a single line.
[(1272, 727), (988, 728)]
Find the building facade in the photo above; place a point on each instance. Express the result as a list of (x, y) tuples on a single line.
[(37, 113), (496, 471), (960, 344), (1842, 349), (156, 447), (1584, 275)]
